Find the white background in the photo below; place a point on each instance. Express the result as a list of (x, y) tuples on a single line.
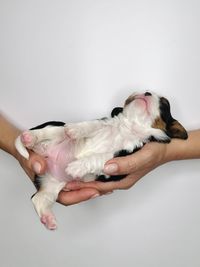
[(74, 60)]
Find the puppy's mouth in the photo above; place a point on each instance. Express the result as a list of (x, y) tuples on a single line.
[(142, 98), (144, 103)]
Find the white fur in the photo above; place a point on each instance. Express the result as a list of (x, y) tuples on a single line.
[(21, 148), (95, 142), (44, 199)]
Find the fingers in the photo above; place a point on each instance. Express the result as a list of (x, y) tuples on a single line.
[(103, 187), (37, 163), (133, 166), (74, 197), (122, 165), (128, 164), (99, 186)]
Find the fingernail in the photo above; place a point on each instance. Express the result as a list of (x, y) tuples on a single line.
[(37, 167), (94, 196), (66, 189), (108, 193), (111, 168), (73, 185)]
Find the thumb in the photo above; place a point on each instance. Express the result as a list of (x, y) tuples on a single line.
[(128, 164), (121, 165), (37, 163), (74, 197)]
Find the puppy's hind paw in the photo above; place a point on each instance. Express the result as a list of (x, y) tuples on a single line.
[(28, 139), (49, 221)]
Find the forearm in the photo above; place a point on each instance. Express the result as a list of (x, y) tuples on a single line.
[(184, 149), (8, 134)]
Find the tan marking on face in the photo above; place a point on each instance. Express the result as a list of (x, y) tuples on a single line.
[(129, 100), (159, 124), (178, 131)]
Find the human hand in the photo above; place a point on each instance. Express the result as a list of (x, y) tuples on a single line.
[(36, 165), (135, 166)]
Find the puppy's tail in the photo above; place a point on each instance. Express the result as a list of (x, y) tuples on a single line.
[(21, 148)]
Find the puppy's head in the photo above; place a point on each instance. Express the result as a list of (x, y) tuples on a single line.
[(153, 112)]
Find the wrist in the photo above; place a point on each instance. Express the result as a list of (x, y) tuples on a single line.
[(172, 152), (184, 149)]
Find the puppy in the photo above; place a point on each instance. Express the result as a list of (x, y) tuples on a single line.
[(80, 150)]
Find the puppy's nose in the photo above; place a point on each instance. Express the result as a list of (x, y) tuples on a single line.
[(147, 94)]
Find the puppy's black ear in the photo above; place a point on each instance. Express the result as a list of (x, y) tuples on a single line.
[(176, 130), (116, 111)]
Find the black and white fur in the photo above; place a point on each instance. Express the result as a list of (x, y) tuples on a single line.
[(90, 144)]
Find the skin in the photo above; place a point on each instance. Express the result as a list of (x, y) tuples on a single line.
[(36, 164), (144, 161), (135, 166)]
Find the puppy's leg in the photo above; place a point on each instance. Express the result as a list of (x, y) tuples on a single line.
[(83, 129), (52, 134), (44, 199), (93, 164)]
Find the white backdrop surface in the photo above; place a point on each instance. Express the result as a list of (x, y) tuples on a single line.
[(75, 60)]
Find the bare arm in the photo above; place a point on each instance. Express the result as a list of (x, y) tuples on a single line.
[(8, 134), (36, 164), (189, 149)]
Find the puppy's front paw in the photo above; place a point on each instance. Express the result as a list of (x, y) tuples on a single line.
[(28, 139), (73, 131), (76, 169)]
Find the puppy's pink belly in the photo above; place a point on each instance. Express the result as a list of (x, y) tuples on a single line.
[(58, 157)]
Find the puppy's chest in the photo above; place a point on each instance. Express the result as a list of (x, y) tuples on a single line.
[(110, 139)]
